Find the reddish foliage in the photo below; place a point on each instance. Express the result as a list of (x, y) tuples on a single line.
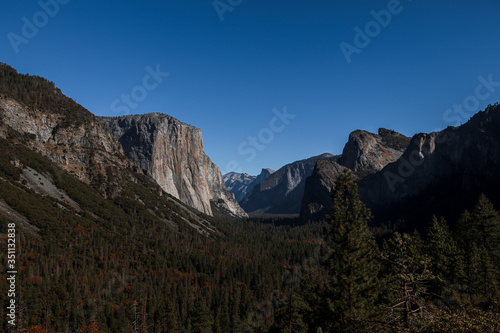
[(114, 308), (93, 327), (79, 228), (38, 329), (36, 280)]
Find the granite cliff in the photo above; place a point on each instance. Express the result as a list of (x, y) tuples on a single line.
[(366, 153), (172, 153)]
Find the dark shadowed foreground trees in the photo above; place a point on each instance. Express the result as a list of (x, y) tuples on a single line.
[(478, 238), (353, 265), (446, 282)]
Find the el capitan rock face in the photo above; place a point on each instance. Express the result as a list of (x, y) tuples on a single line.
[(36, 117), (281, 192), (172, 153), (239, 184)]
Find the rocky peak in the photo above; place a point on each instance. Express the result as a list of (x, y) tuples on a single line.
[(386, 132), (266, 172), (172, 153), (366, 153), (239, 184)]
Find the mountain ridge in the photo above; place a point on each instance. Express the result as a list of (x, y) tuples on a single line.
[(441, 170), (239, 184), (281, 192)]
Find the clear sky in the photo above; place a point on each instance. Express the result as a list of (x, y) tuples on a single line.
[(268, 82)]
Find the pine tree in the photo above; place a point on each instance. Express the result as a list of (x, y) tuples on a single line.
[(353, 264), (235, 311), (466, 232), (487, 220), (446, 261), (408, 274), (201, 317), (289, 316), (441, 248), (172, 315), (224, 318), (478, 237)]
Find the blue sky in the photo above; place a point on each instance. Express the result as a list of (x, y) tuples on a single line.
[(270, 83)]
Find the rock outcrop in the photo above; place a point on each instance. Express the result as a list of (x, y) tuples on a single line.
[(281, 192), (366, 153), (239, 184), (317, 202), (172, 153), (61, 130)]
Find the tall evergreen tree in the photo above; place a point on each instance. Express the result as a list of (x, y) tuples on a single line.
[(407, 275), (446, 262), (224, 320), (172, 315), (353, 264), (289, 316), (201, 319), (478, 237), (487, 220), (442, 249)]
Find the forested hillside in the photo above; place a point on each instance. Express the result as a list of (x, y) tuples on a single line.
[(116, 265)]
